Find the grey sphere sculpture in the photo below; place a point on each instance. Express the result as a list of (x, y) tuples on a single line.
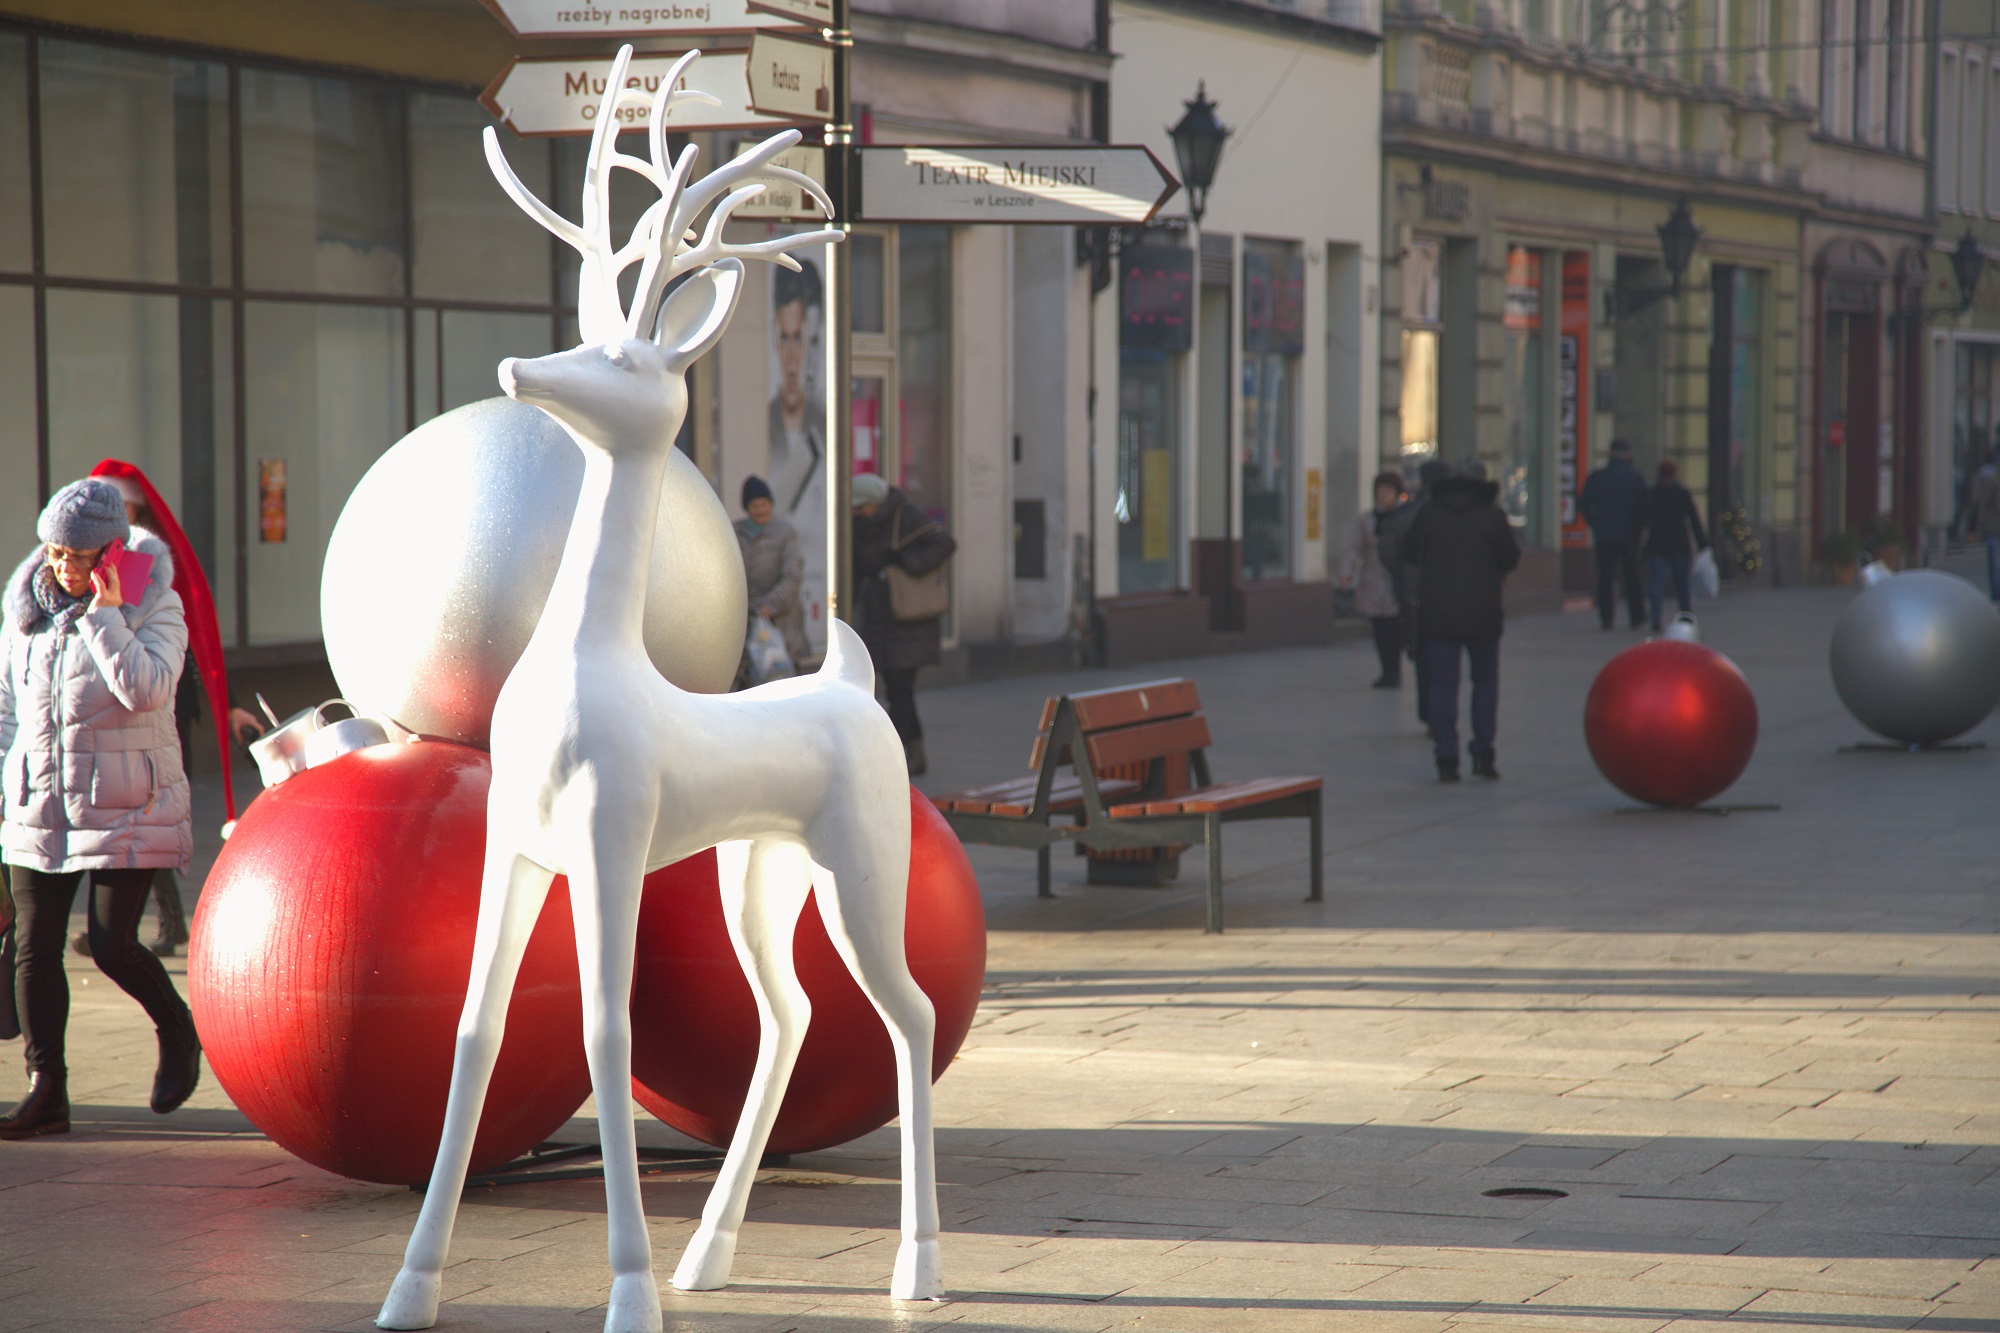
[(1916, 658), (443, 557)]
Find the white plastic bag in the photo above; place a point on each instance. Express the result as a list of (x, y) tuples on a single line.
[(1704, 576), (768, 659)]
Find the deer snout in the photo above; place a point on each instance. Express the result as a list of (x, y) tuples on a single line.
[(513, 382)]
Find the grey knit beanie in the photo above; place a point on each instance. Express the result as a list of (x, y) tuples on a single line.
[(84, 516), (870, 488)]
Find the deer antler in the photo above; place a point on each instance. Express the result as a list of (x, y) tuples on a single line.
[(663, 241)]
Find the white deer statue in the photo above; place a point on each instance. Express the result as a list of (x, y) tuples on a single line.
[(602, 770)]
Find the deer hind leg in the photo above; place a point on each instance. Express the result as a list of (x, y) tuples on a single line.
[(605, 887), (764, 887), (862, 882), (512, 890)]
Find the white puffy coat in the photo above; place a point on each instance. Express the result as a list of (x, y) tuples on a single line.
[(92, 770)]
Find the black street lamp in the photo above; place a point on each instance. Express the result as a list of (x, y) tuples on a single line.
[(1968, 263), (1678, 236), (1198, 149)]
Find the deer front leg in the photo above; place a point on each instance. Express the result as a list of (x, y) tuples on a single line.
[(764, 887), (512, 890), (605, 888)]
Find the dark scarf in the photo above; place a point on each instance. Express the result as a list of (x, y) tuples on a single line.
[(58, 605)]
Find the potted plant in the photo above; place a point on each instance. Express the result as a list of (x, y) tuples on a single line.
[(1842, 552), (1885, 540)]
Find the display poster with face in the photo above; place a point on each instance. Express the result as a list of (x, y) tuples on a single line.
[(797, 464)]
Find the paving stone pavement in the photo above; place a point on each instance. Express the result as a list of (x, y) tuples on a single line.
[(1751, 1061)]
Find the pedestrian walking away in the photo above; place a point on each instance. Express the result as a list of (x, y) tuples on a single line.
[(1370, 575), (1391, 534), (774, 567), (1673, 534), (900, 584), (1985, 522), (1613, 503), (94, 783), (1462, 548)]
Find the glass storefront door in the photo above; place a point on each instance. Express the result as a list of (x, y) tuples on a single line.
[(1147, 504)]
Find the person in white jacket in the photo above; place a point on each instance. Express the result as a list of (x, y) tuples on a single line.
[(91, 783)]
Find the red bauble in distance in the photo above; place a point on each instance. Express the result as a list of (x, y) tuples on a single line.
[(1670, 723), (329, 963), (694, 1025)]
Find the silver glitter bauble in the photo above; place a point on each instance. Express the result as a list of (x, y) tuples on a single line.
[(445, 553), (1916, 657)]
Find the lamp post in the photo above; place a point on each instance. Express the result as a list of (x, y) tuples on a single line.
[(1198, 137)]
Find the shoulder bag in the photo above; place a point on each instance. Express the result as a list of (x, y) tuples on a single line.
[(916, 597)]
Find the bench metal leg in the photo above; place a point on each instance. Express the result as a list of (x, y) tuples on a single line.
[(1042, 889), (1212, 836), (1313, 822)]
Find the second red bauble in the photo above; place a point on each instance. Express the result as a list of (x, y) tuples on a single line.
[(695, 1026), (1670, 722)]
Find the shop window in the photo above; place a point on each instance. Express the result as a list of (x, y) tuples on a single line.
[(1746, 392), (19, 502), (924, 368), (323, 179), (326, 395), (1975, 414), (114, 385), (1524, 470), (16, 243), (1273, 338), (1421, 270), (135, 165), (1155, 330), (864, 250), (472, 242)]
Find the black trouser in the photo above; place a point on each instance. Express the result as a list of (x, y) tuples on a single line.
[(1388, 644), (899, 696), (1618, 563), (117, 900), (1421, 660)]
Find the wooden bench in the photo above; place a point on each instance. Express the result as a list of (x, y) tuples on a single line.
[(1157, 728)]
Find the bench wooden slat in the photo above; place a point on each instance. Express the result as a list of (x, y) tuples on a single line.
[(1147, 741), (1014, 799), (1097, 710), (1221, 798)]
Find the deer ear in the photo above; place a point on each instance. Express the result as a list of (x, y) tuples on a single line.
[(697, 312)]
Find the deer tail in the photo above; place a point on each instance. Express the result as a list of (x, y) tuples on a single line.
[(847, 657)]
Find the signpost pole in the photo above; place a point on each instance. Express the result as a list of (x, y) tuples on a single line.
[(841, 169)]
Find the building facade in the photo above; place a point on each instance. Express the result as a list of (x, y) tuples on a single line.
[(1234, 420), (1532, 154)]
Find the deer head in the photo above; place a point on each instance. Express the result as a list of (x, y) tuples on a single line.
[(626, 382)]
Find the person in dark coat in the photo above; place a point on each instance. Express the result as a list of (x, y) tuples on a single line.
[(1462, 548), (890, 531), (1390, 534), (1673, 534), (1612, 503)]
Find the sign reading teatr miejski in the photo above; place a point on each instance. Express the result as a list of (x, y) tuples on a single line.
[(1013, 183)]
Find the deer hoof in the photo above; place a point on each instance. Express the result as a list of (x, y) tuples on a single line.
[(705, 1266), (919, 1272), (635, 1305), (412, 1301)]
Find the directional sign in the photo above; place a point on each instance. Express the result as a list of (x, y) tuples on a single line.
[(1013, 183), (791, 79), (783, 198), (698, 19), (817, 13), (561, 95)]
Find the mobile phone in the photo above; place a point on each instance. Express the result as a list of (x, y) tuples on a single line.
[(133, 569)]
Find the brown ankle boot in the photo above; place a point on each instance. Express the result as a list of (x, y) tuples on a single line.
[(45, 1110)]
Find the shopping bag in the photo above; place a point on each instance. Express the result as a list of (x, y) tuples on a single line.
[(768, 659), (1705, 577)]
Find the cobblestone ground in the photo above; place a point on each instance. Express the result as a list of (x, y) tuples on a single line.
[(1751, 1061)]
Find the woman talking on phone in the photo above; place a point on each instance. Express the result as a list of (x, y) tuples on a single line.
[(93, 650)]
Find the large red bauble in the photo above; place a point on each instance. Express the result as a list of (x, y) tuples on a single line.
[(695, 1027), (329, 962), (1670, 722)]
